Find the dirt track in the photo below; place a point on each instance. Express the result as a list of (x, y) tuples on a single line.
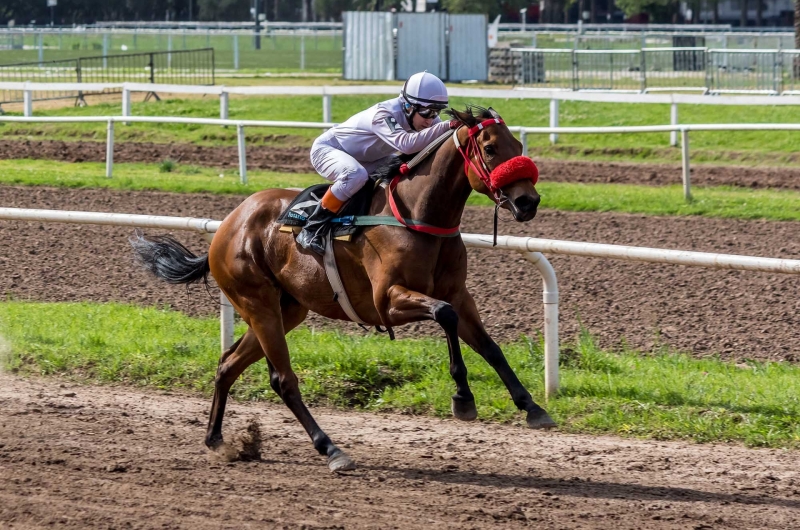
[(103, 457), (295, 159), (737, 314)]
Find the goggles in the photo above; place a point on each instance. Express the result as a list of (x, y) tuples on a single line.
[(428, 112)]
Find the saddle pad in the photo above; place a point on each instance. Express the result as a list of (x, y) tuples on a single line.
[(306, 202)]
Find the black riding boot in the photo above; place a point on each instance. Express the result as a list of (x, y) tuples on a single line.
[(312, 237)]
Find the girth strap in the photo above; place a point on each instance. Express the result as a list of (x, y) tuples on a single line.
[(332, 271)]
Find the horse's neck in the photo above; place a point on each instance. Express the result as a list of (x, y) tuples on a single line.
[(438, 197)]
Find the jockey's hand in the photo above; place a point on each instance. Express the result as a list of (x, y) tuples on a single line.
[(455, 124)]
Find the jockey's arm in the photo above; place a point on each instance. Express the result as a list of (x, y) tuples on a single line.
[(407, 142)]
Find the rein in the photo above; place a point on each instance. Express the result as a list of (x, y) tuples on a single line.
[(481, 169)]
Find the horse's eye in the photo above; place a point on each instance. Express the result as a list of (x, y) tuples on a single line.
[(488, 149)]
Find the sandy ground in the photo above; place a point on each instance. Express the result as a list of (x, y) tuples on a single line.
[(107, 457)]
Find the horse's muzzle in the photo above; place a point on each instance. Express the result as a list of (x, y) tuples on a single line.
[(523, 208)]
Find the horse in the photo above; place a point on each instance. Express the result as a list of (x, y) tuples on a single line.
[(273, 283)]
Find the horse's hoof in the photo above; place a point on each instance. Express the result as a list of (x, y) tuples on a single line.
[(223, 452), (539, 419), (340, 461), (464, 410), (214, 442)]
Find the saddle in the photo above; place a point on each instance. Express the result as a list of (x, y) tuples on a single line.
[(294, 218)]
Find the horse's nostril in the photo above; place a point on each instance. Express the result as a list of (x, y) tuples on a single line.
[(525, 203)]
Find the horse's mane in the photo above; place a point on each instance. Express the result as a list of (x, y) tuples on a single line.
[(474, 114)]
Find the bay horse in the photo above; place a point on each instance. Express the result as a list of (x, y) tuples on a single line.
[(393, 275)]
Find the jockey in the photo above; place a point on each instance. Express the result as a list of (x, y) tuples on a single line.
[(350, 151)]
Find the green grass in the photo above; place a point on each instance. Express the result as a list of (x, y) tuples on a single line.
[(746, 147), (170, 176), (664, 395), (166, 176)]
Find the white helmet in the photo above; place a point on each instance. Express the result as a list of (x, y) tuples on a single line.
[(425, 90)]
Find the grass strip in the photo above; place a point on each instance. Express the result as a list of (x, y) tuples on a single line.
[(745, 147), (729, 202), (664, 395)]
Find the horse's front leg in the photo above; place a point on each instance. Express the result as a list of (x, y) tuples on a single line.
[(472, 332), (404, 306)]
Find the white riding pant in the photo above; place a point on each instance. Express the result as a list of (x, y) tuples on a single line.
[(347, 174)]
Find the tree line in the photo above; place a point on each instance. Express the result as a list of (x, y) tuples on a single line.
[(72, 12)]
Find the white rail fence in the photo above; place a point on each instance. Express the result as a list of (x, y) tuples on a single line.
[(523, 133), (327, 93), (531, 248)]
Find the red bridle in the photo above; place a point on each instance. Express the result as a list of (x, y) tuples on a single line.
[(517, 168)]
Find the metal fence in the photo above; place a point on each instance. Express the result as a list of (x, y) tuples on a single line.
[(661, 69), (636, 40), (278, 49), (186, 67)]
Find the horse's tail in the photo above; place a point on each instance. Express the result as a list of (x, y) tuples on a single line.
[(169, 260)]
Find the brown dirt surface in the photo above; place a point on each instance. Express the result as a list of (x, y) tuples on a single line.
[(82, 457), (296, 159), (733, 313)]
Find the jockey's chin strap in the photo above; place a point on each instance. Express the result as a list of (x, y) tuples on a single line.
[(481, 169)]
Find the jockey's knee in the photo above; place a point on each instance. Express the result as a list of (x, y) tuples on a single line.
[(349, 182)]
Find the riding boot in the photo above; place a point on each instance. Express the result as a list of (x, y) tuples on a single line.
[(317, 226)]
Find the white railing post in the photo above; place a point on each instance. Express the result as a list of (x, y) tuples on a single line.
[(236, 52), (327, 104), (41, 48), (169, 51), (223, 104), (105, 51), (242, 154), (687, 192), (550, 299), (27, 101), (126, 102), (553, 119), (673, 120), (110, 148), (225, 322), (226, 314), (523, 139)]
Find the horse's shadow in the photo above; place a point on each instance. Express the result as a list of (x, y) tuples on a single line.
[(594, 489)]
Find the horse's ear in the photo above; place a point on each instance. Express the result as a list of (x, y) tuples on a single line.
[(494, 113), (464, 117)]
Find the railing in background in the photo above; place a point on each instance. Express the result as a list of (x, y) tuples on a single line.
[(189, 67), (553, 131), (716, 71)]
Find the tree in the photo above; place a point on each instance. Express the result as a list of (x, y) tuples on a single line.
[(227, 10), (634, 7), (796, 65)]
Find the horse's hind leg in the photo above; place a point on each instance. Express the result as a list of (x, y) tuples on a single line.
[(264, 316), (472, 332), (246, 351), (234, 361)]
